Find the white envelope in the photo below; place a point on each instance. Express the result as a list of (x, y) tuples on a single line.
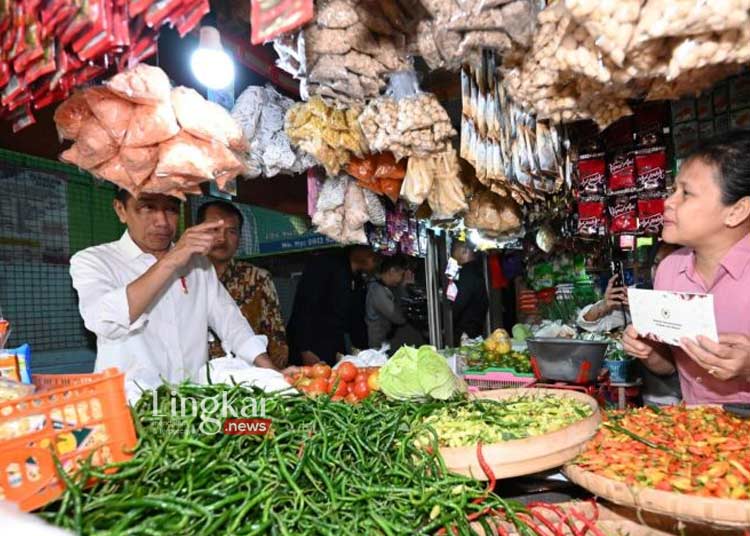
[(670, 316)]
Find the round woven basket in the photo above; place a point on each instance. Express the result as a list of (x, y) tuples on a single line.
[(530, 455), (691, 508)]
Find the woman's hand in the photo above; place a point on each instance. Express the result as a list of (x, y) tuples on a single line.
[(634, 345), (614, 296), (725, 360)]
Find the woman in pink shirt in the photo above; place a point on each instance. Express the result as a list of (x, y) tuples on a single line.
[(709, 213)]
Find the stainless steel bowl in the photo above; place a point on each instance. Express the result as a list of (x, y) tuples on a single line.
[(567, 360)]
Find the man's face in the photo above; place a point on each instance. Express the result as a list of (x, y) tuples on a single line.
[(227, 236), (151, 220)]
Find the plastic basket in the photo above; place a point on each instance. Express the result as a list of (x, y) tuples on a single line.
[(496, 378), (76, 416)]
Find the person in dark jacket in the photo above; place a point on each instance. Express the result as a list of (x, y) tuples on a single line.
[(471, 303), (324, 303)]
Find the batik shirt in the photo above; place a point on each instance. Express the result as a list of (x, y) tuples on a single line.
[(254, 292)]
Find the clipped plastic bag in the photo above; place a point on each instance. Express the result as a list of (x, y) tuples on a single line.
[(332, 194), (150, 125), (418, 180), (375, 208), (206, 120), (70, 115), (113, 112), (143, 84), (94, 146)]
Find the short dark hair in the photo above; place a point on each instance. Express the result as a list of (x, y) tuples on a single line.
[(223, 206), (122, 195), (393, 261), (729, 153)]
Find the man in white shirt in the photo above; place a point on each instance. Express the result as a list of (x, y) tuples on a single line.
[(150, 303)]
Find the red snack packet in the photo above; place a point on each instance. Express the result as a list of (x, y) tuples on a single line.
[(271, 19), (591, 221), (622, 172), (623, 212), (591, 175), (651, 215), (651, 169)]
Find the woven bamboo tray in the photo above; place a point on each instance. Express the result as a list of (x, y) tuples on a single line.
[(526, 456), (720, 512)]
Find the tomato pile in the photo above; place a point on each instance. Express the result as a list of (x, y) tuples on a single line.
[(700, 451), (347, 382)]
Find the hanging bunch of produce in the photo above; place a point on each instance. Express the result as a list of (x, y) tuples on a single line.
[(589, 57), (455, 33), (49, 48), (138, 133), (511, 151), (260, 112), (329, 134), (346, 52)]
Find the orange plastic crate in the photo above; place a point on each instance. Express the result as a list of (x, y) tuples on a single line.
[(73, 415)]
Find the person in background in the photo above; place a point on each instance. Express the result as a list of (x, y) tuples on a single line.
[(386, 322), (250, 287), (150, 302), (471, 303), (709, 213), (610, 313), (323, 304)]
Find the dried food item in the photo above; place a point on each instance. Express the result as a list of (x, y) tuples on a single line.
[(207, 120), (336, 14), (151, 124), (70, 115), (187, 155), (493, 214), (418, 180), (330, 135), (143, 84), (139, 162), (447, 196), (93, 146), (260, 112), (113, 112), (343, 209)]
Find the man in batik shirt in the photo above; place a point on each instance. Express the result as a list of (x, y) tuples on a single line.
[(251, 287)]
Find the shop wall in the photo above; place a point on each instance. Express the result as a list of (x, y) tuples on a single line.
[(49, 211)]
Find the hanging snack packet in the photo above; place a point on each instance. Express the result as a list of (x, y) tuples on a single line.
[(651, 169), (591, 174), (651, 215), (623, 212), (591, 221), (622, 173)]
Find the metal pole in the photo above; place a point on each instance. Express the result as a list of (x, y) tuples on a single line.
[(433, 292)]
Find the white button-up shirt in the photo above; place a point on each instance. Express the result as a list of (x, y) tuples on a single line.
[(169, 341)]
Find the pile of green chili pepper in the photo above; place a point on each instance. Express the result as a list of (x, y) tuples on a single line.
[(325, 468)]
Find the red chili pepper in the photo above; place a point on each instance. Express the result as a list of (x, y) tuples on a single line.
[(588, 523), (546, 522), (529, 522), (487, 471)]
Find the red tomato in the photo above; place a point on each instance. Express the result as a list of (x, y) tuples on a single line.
[(361, 391), (347, 371), (373, 381), (321, 370), (361, 377), (307, 371), (341, 387), (351, 398), (319, 386)]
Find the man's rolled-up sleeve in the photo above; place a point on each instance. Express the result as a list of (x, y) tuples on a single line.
[(102, 303), (225, 318)]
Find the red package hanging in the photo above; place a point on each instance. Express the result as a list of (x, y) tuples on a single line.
[(271, 19), (651, 169), (192, 17), (592, 174), (591, 221), (497, 276), (622, 172), (623, 212), (651, 215), (43, 66)]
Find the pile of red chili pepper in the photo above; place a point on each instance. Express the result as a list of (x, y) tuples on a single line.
[(324, 468), (700, 451)]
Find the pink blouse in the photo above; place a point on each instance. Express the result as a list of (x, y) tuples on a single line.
[(731, 291)]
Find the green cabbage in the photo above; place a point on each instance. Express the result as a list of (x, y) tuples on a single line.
[(521, 332), (419, 374)]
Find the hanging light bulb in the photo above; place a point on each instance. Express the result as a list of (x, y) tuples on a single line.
[(210, 63)]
